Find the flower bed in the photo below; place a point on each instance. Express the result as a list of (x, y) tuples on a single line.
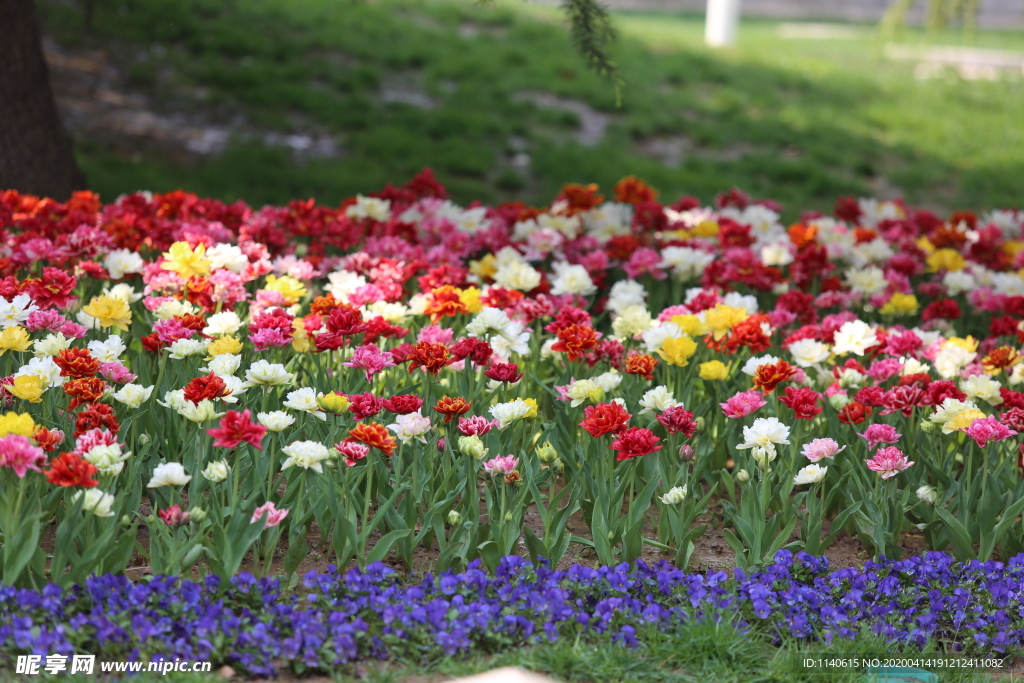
[(401, 374), (247, 623)]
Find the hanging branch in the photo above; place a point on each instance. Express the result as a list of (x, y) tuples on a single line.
[(592, 31)]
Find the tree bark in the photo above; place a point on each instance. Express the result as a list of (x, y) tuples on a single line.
[(36, 154)]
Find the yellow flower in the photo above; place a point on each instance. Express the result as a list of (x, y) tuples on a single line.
[(532, 402), (226, 344), (945, 259), (17, 423), (334, 403), (485, 267), (28, 387), (1013, 247), (690, 324), (722, 318), (714, 370), (110, 312), (963, 420), (290, 288), (900, 304), (678, 350), (302, 344), (185, 261), (706, 229), (470, 298), (14, 339), (969, 344), (926, 246)]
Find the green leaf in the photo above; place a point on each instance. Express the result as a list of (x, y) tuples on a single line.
[(958, 535), (384, 545)]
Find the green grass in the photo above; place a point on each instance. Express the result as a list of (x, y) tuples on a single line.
[(800, 121)]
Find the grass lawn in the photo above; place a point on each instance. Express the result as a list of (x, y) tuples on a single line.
[(403, 84)]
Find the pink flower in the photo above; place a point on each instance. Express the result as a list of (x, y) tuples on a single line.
[(819, 449), (885, 368), (274, 516), (888, 462), (503, 464), (370, 359), (117, 373), (353, 452), (435, 334), (93, 438), (236, 427), (18, 453), (988, 429), (476, 425), (880, 433), (743, 404)]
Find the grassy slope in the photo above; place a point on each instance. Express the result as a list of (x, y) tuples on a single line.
[(799, 121)]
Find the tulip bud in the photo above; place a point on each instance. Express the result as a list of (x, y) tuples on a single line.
[(611, 535), (126, 520), (927, 426), (838, 401), (473, 446), (440, 444), (686, 451), (547, 453), (151, 519), (454, 518), (197, 514), (508, 516), (145, 438), (700, 423), (333, 403), (927, 494), (742, 476), (557, 465)]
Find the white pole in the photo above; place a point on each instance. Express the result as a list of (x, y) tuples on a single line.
[(720, 25)]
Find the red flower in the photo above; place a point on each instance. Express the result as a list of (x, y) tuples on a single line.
[(749, 333), (152, 343), (604, 418), (374, 435), (236, 427), (96, 416), (853, 413), (871, 396), (431, 357), (54, 289), (635, 442), (803, 401), (85, 390), (631, 190), (575, 339), (450, 407), (76, 363), (174, 516), (70, 470), (903, 400), (403, 404), (641, 364), (364, 405), (945, 309), (504, 372), (768, 377), (209, 387), (48, 439), (474, 349), (678, 420), (940, 390), (444, 301)]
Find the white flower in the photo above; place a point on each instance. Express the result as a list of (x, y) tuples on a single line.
[(608, 381), (514, 340), (675, 495), (343, 283), (517, 275), (625, 293), (571, 279), (951, 359), (982, 387), (811, 474), (488, 320), (507, 413), (108, 351), (123, 291), (227, 256), (51, 345), (776, 254), (763, 455), (174, 308), (168, 474), (850, 378), (305, 454), (654, 337), (867, 281), (233, 388), (765, 432), (608, 220), (369, 207), (659, 399), (217, 471), (854, 337), (927, 494), (108, 459), (276, 421), (410, 426), (912, 366), (267, 374), (873, 211), (875, 251), (95, 501), (16, 311), (583, 390), (751, 366), (204, 411), (632, 320), (133, 395), (958, 281), (748, 302), (223, 365), (225, 322), (43, 368), (686, 263), (183, 348), (808, 352), (174, 399), (304, 400), (948, 410), (121, 262)]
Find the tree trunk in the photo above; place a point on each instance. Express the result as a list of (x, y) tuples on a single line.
[(36, 156)]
